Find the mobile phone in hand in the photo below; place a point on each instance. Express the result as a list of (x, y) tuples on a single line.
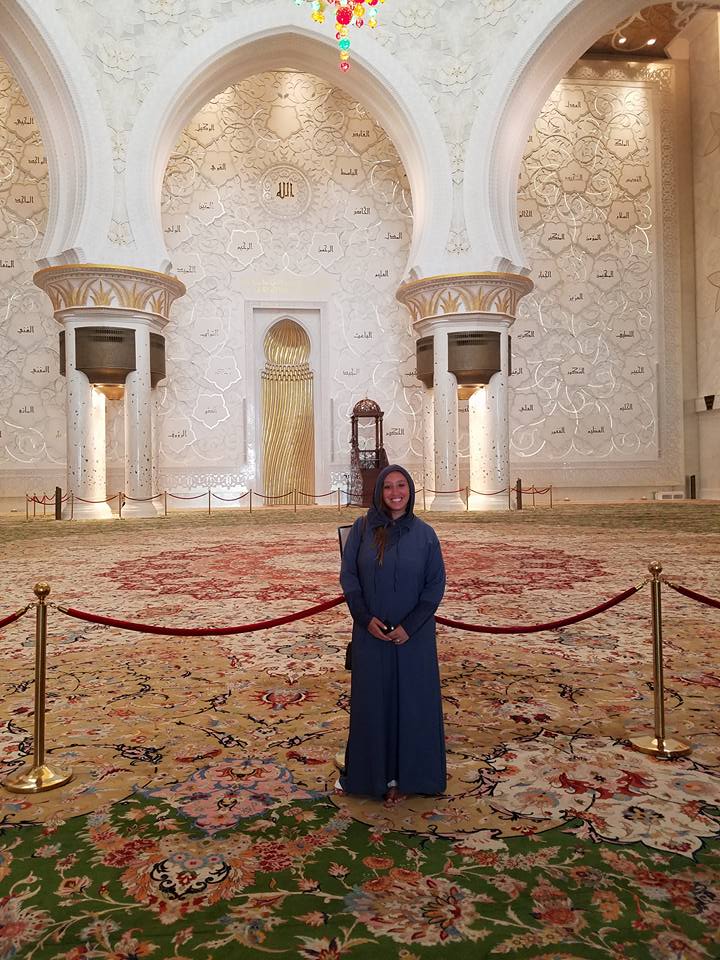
[(387, 627)]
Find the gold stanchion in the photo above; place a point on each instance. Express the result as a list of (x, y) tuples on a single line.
[(659, 746), (338, 498), (467, 499), (40, 776), (209, 495), (120, 505), (295, 500), (533, 494), (34, 506), (27, 507), (165, 496), (551, 496), (72, 504), (424, 504)]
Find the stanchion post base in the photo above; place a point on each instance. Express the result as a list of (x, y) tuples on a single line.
[(37, 779), (663, 749), (340, 761)]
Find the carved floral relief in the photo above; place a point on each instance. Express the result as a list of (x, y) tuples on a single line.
[(588, 340)]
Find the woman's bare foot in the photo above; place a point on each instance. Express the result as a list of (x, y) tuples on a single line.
[(393, 796)]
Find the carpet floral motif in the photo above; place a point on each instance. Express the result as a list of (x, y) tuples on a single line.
[(202, 820)]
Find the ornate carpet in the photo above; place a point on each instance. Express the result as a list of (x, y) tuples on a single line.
[(202, 822)]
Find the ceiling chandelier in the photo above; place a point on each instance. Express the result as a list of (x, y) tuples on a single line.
[(346, 12)]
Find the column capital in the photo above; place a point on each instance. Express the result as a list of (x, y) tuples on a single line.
[(79, 287), (464, 296)]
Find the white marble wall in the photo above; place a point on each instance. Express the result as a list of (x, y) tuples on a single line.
[(595, 375), (704, 39), (450, 48), (284, 190), (32, 393)]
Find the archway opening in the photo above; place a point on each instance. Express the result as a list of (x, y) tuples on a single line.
[(283, 192)]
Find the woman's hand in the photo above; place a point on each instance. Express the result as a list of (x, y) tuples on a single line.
[(398, 636), (376, 629)]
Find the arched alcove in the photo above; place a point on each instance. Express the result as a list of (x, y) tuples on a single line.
[(279, 36), (51, 71), (539, 57)]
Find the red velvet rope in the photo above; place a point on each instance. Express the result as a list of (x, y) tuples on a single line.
[(106, 500), (279, 496), (315, 495), (141, 499), (481, 494), (200, 631), (429, 490), (177, 496), (552, 625), (230, 499), (692, 595), (14, 616)]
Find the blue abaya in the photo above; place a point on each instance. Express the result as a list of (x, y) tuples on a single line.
[(396, 722)]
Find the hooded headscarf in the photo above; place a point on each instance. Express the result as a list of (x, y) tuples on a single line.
[(385, 530)]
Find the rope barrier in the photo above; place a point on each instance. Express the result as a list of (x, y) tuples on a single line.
[(200, 631), (693, 594), (47, 500), (551, 625), (14, 616), (230, 499)]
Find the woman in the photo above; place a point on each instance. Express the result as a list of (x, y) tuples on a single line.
[(393, 578)]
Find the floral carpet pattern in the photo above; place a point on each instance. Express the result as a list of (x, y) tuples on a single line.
[(202, 820)]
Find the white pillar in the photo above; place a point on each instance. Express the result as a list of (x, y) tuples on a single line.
[(139, 432), (445, 423), (155, 446), (489, 445), (86, 479), (428, 428)]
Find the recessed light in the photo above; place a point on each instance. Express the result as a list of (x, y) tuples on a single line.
[(622, 39), (651, 41)]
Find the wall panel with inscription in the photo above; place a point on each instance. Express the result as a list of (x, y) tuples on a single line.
[(596, 369), (284, 191), (32, 394)]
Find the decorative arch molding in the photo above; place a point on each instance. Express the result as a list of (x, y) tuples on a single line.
[(541, 54), (279, 35), (51, 72)]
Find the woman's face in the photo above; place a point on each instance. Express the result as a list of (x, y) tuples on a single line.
[(396, 494)]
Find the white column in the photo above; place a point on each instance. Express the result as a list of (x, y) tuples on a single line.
[(139, 432), (445, 422), (85, 442), (489, 445), (155, 446), (428, 428)]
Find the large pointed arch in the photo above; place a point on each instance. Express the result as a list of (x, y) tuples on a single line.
[(540, 56), (52, 74), (279, 35)]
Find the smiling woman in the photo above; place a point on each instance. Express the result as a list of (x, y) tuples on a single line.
[(394, 578)]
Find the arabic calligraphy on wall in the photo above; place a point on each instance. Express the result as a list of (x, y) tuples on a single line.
[(587, 341)]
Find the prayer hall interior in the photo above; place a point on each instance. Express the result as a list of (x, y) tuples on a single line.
[(250, 252)]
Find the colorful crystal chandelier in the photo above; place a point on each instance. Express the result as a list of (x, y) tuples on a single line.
[(346, 12)]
